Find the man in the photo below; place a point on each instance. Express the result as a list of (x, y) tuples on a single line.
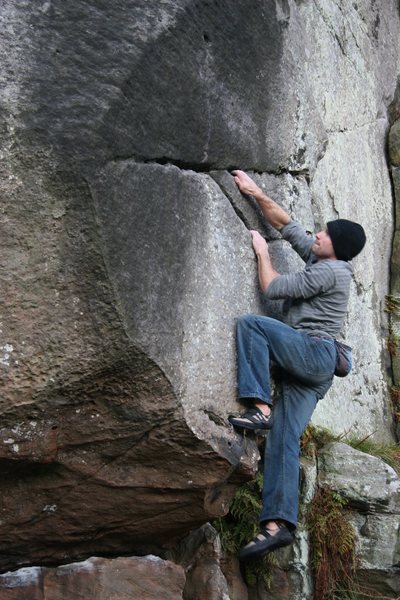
[(303, 346)]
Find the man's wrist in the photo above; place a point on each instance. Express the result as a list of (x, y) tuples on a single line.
[(259, 195), (263, 255)]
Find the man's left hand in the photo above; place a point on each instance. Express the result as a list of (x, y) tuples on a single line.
[(260, 246)]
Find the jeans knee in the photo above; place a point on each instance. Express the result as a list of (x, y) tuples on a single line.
[(251, 321), (244, 321)]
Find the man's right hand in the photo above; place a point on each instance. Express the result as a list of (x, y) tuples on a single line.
[(275, 215), (245, 184)]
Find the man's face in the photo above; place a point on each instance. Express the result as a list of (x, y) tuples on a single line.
[(322, 247)]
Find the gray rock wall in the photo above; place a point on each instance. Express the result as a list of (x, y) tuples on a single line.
[(393, 304), (126, 255), (347, 43), (372, 490)]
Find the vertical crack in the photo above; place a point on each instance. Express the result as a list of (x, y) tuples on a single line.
[(226, 187)]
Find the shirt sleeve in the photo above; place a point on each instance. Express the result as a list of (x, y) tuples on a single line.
[(315, 279), (298, 238)]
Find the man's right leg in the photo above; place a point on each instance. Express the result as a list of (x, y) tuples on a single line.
[(260, 339), (254, 337), (253, 358)]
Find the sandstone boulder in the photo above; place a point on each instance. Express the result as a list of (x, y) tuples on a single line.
[(147, 578), (200, 554)]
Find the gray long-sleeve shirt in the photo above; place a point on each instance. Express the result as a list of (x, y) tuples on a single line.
[(316, 298)]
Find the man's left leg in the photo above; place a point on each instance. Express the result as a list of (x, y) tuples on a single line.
[(278, 517)]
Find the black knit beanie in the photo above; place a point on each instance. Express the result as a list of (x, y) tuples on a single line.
[(348, 238)]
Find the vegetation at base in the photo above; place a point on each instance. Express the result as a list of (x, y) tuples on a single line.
[(332, 542), (332, 538), (392, 305), (241, 525), (393, 342), (333, 550), (315, 438), (395, 398)]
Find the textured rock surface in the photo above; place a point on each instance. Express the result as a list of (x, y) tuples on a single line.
[(355, 118), (200, 554), (147, 578), (122, 274), (372, 490), (365, 481), (393, 304)]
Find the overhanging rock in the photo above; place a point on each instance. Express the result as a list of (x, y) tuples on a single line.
[(140, 442)]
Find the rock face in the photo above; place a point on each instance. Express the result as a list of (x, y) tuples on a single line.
[(393, 303), (208, 575), (197, 568), (372, 490), (126, 255), (147, 578)]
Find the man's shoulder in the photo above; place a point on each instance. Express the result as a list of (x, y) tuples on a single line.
[(334, 269), (300, 240), (338, 272), (295, 228), (340, 266)]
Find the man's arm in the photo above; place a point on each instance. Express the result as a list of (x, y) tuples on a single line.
[(274, 214), (308, 283), (266, 272)]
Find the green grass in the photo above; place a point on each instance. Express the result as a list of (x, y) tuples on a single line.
[(315, 438)]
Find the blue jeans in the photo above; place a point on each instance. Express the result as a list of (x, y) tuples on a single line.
[(308, 364)]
